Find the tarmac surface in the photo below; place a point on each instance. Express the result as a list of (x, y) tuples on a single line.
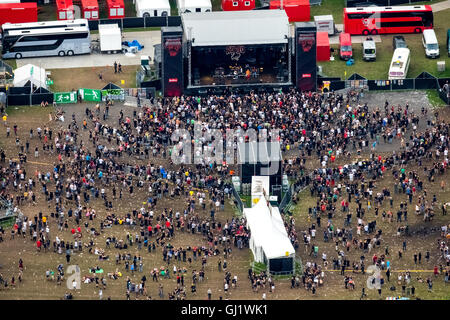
[(146, 38)]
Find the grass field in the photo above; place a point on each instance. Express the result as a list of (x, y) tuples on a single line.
[(379, 69), (82, 77), (333, 7)]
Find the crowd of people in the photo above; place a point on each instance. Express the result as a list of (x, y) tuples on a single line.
[(111, 160)]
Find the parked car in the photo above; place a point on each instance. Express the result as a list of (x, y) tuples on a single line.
[(430, 43), (369, 49), (345, 46), (399, 42)]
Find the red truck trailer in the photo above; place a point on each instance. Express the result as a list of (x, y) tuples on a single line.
[(296, 10), (237, 5), (18, 12), (116, 9), (89, 9), (65, 10)]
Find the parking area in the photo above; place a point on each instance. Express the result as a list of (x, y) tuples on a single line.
[(145, 38)]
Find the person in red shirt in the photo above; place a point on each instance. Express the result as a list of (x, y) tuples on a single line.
[(38, 245), (150, 230)]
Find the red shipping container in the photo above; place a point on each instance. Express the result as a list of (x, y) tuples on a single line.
[(89, 9), (296, 10), (64, 10), (238, 5), (116, 9), (18, 12), (323, 46)]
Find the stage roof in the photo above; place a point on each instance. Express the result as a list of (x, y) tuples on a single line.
[(223, 28)]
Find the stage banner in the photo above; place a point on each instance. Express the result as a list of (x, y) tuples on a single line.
[(65, 97), (172, 61), (306, 65), (90, 95)]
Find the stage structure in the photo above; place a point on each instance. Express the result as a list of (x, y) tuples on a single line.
[(261, 159), (235, 49), (306, 53), (171, 61)]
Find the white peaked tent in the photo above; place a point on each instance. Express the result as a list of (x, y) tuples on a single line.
[(186, 6), (37, 76), (269, 241)]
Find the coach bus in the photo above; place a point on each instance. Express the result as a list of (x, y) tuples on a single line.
[(378, 20), (40, 39)]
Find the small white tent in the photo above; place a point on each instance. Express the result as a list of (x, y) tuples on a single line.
[(185, 6), (269, 241), (152, 8), (30, 73)]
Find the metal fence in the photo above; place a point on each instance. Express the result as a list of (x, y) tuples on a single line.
[(286, 199), (237, 200), (424, 81), (134, 22), (445, 96)]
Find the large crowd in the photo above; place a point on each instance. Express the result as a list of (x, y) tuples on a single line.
[(114, 159)]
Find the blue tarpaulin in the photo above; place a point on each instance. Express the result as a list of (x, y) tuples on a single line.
[(135, 43)]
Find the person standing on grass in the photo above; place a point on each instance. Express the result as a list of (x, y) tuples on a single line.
[(435, 271), (209, 293)]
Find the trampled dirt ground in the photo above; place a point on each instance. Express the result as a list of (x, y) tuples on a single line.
[(35, 285)]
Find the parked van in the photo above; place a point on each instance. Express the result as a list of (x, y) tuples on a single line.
[(399, 64), (369, 50), (345, 46), (448, 42), (430, 43)]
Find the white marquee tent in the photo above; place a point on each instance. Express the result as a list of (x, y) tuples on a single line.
[(269, 241), (30, 73)]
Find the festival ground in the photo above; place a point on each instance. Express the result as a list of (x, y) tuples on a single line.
[(35, 285)]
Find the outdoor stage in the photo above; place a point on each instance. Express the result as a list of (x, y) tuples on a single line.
[(243, 49)]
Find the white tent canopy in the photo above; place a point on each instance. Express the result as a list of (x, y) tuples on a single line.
[(194, 5), (154, 8), (268, 233), (247, 27), (37, 76)]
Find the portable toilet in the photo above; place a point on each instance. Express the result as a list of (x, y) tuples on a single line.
[(89, 9), (116, 9), (65, 10)]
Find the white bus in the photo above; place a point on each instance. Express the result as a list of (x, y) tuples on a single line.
[(40, 39), (399, 64)]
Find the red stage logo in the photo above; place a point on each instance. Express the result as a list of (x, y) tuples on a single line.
[(173, 46), (307, 41), (235, 52)]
